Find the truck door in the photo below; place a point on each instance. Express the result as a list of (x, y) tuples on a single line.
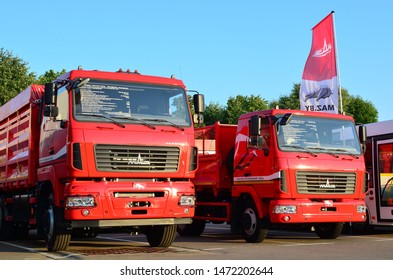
[(384, 178), (53, 137), (260, 168)]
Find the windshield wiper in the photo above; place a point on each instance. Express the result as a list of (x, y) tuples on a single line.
[(303, 149), (105, 117), (138, 120), (328, 151), (165, 121), (346, 152)]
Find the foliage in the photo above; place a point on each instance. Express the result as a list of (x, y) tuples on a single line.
[(235, 107), (214, 112), (361, 110), (14, 76), (49, 76), (288, 102), (190, 101), (240, 104)]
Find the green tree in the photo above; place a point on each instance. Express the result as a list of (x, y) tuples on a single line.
[(49, 76), (190, 101), (14, 76), (290, 101), (361, 110), (214, 112), (240, 104)]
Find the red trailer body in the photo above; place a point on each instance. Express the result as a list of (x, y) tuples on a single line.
[(95, 150), (280, 167)]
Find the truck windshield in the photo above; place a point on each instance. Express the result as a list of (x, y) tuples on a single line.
[(318, 135), (106, 101)]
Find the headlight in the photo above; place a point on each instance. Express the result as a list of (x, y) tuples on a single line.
[(284, 209), (80, 201), (187, 200)]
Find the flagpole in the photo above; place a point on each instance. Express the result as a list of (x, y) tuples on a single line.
[(337, 65)]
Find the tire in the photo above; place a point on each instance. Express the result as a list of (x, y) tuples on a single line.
[(57, 238), (7, 229), (329, 230), (252, 227), (161, 236), (196, 228)]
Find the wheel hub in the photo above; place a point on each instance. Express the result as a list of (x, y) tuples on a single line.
[(249, 221), (50, 222)]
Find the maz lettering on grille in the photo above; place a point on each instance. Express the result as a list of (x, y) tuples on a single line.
[(134, 161), (327, 185)]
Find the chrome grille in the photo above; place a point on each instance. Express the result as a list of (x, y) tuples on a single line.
[(325, 182), (136, 158)]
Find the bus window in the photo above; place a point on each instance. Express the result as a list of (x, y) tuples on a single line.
[(385, 158)]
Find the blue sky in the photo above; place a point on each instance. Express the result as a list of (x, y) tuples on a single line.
[(220, 48)]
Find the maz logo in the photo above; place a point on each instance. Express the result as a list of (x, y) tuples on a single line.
[(134, 161), (138, 161), (327, 185)]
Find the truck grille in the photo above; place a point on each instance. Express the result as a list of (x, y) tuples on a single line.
[(136, 158), (325, 182)]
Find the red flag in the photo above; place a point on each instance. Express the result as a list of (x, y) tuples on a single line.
[(319, 87)]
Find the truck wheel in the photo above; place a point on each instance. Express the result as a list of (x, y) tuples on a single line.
[(196, 228), (161, 236), (252, 228), (56, 236), (329, 230), (7, 229)]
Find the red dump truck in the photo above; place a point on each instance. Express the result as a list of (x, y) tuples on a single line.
[(97, 150), (280, 167)]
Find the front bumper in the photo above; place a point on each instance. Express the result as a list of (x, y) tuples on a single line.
[(129, 203), (129, 222), (325, 211)]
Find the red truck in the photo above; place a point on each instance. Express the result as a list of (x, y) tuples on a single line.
[(97, 150), (280, 167)]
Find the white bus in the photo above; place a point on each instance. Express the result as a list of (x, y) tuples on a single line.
[(379, 163)]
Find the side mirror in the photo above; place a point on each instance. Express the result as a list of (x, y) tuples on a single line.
[(256, 139), (199, 103), (199, 107), (50, 108), (286, 119), (362, 134), (198, 119), (50, 94), (255, 126), (362, 137), (51, 111)]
